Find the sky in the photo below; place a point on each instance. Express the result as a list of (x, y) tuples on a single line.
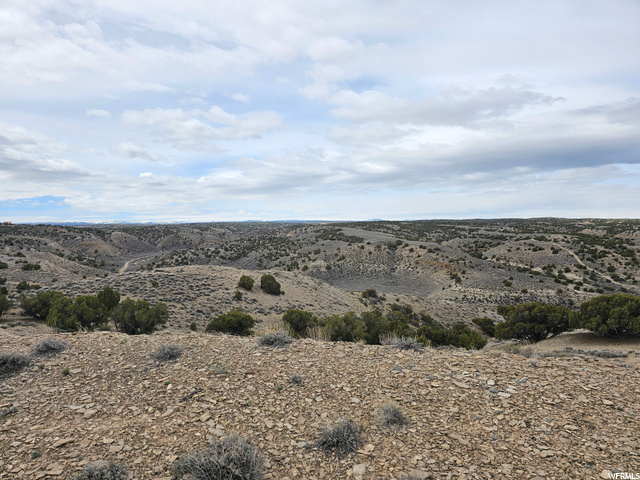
[(207, 110)]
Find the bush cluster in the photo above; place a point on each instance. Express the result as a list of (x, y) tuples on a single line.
[(615, 315), (401, 325), (532, 321), (486, 324), (235, 322), (90, 312)]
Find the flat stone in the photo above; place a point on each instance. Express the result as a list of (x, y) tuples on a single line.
[(63, 441)]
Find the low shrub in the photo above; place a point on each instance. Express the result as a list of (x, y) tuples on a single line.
[(194, 326), (370, 293), (109, 298), (245, 282), (404, 343), (486, 325), (615, 315), (103, 471), (12, 363), (341, 437), (30, 266), (51, 346), (270, 285), (235, 322), (167, 353), (232, 458), (275, 339), (299, 321), (136, 317), (532, 321), (345, 328), (38, 306), (460, 335), (5, 304), (390, 415), (296, 379)]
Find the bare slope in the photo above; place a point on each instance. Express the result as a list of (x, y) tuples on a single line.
[(471, 415)]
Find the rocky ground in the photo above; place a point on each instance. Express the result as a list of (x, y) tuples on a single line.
[(486, 414)]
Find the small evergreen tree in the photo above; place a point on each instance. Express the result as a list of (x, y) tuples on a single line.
[(299, 321), (137, 317), (615, 315), (245, 282), (5, 304), (38, 306), (109, 298), (235, 322), (270, 285)]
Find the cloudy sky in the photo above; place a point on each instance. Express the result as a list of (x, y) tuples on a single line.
[(208, 110)]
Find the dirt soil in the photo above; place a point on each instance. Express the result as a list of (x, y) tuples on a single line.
[(484, 414)]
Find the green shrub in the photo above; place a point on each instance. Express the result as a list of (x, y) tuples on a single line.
[(237, 295), (193, 326), (370, 293), (5, 304), (109, 298), (532, 321), (432, 334), (615, 315), (460, 335), (232, 458), (486, 325), (12, 363), (3, 280), (245, 282), (345, 328), (30, 266), (89, 312), (341, 437), (235, 322), (3, 266), (299, 321), (270, 285), (38, 306), (136, 317), (60, 316)]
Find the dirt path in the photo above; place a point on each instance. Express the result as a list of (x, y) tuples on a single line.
[(125, 266)]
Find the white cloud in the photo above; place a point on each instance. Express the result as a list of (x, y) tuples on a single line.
[(354, 106), (96, 112), (196, 129), (240, 97), (132, 150)]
